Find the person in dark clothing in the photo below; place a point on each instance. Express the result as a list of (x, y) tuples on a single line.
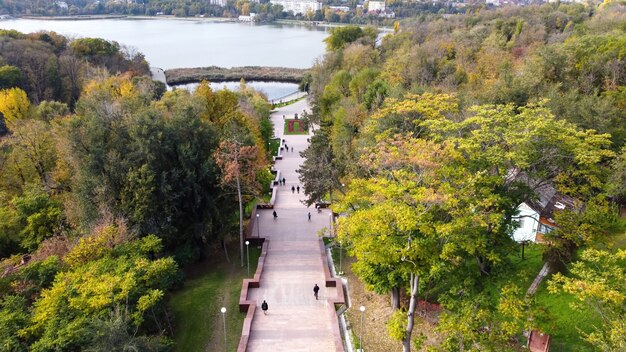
[(264, 307), (293, 189), (292, 149), (316, 289), (298, 188), (286, 147), (309, 216), (275, 215), (283, 181)]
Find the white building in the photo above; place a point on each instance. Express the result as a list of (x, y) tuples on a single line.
[(536, 217), (339, 8), (218, 2), (298, 6), (250, 18), (376, 6)]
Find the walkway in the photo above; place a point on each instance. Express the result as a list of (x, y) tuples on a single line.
[(295, 320)]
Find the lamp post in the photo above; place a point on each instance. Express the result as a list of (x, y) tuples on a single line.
[(248, 255), (362, 309), (330, 223), (340, 271), (257, 226), (223, 310)]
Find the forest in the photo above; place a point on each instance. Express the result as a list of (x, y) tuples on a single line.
[(109, 186), (429, 143)]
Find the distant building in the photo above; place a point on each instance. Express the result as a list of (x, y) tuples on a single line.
[(247, 18), (493, 2), (376, 6), (62, 5), (218, 2), (387, 14), (298, 6), (339, 8)]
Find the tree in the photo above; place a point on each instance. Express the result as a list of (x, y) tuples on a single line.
[(340, 36), (14, 105), (240, 165), (391, 225), (10, 76), (598, 281), (319, 173)]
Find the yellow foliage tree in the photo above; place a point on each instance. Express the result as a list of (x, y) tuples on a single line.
[(14, 105)]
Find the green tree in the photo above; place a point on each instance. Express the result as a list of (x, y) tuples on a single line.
[(10, 76), (598, 281), (340, 36)]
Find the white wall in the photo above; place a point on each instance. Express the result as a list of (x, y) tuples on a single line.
[(529, 221)]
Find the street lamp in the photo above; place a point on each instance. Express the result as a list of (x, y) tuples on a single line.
[(340, 271), (257, 226), (362, 309), (330, 222), (223, 310), (248, 255)]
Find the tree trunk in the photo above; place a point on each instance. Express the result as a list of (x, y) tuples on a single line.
[(395, 298), (406, 343), (240, 220)]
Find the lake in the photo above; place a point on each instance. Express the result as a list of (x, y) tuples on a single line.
[(173, 43)]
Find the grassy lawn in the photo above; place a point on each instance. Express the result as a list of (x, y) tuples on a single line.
[(210, 285), (273, 146), (280, 105), (557, 318), (298, 127)]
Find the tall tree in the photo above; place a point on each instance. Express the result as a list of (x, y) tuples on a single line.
[(240, 165)]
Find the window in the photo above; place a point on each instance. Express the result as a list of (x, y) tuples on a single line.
[(521, 223), (545, 228)]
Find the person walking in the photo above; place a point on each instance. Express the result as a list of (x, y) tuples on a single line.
[(293, 189), (264, 307), (292, 149), (298, 188), (275, 215), (283, 181), (286, 147), (316, 289), (309, 216)]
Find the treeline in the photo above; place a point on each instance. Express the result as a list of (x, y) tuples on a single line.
[(266, 12), (102, 202), (50, 67), (430, 141)]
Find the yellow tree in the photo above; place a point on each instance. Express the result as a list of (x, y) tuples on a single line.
[(393, 214), (14, 105)]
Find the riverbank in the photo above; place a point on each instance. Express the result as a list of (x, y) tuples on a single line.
[(322, 24), (221, 74)]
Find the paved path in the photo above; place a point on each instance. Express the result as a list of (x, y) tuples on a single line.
[(295, 320)]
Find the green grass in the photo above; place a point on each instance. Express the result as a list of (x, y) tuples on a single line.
[(196, 306), (562, 322), (298, 127), (617, 234), (286, 103), (274, 144)]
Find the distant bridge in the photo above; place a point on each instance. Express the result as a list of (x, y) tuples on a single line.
[(221, 74)]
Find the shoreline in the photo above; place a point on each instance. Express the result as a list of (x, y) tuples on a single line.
[(321, 24), (180, 76)]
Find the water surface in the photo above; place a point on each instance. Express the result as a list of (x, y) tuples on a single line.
[(172, 43)]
